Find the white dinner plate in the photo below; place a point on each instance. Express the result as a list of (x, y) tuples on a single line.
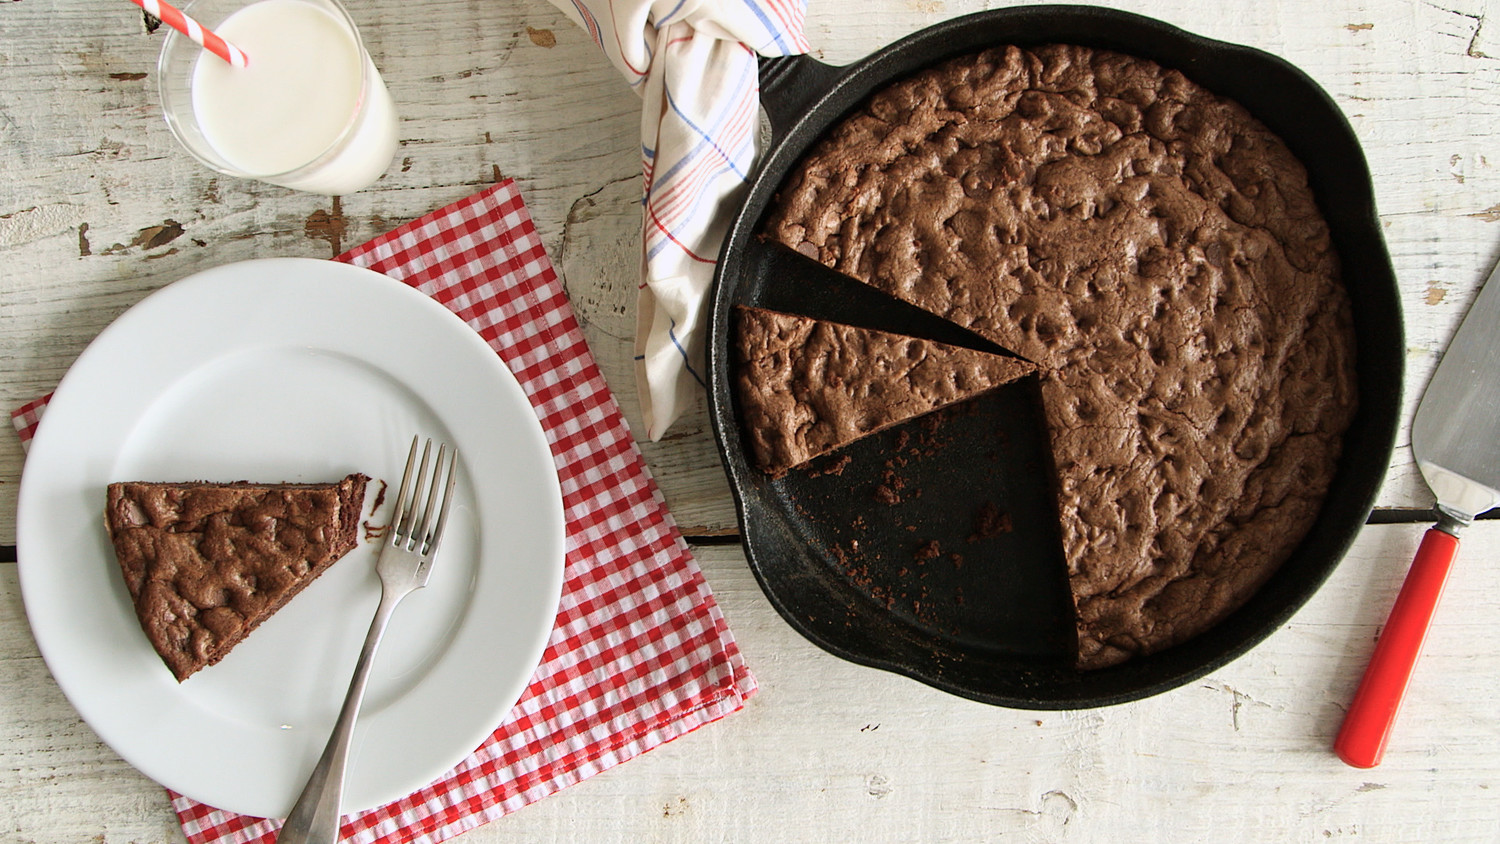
[(295, 370)]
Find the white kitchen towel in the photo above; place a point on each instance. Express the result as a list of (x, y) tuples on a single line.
[(694, 63)]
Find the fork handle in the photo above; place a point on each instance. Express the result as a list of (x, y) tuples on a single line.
[(315, 818)]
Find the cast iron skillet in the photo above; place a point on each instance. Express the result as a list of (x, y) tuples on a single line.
[(896, 558)]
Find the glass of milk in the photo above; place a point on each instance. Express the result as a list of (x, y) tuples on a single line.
[(309, 112)]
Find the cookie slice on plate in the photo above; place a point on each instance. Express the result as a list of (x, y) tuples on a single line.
[(206, 563)]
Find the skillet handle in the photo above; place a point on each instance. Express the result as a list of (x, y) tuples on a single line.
[(790, 86)]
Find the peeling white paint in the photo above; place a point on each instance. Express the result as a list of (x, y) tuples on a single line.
[(38, 222)]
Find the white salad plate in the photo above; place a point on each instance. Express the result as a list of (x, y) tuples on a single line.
[(295, 370)]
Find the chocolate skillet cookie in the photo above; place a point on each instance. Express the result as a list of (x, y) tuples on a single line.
[(206, 563), (1158, 253), (808, 387)]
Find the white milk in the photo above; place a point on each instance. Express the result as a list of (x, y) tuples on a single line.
[(294, 117)]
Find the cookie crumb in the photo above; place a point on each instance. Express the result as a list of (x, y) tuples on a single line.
[(989, 522)]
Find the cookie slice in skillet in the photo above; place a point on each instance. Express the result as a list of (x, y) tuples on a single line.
[(808, 387), (207, 563)]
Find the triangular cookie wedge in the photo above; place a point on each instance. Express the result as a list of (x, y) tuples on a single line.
[(808, 387), (207, 563)]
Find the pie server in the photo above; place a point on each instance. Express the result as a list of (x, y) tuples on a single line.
[(1455, 439)]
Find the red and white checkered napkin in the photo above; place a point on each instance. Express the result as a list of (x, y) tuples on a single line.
[(640, 653)]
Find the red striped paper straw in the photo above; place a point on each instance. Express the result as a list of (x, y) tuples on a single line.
[(204, 38)]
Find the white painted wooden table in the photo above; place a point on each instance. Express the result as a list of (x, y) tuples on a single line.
[(97, 208)]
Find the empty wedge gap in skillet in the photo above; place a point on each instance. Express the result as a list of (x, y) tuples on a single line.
[(786, 280), (946, 534), (948, 525)]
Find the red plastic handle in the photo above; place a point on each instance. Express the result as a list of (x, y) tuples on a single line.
[(1361, 741)]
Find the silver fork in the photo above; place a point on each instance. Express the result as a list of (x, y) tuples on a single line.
[(404, 565)]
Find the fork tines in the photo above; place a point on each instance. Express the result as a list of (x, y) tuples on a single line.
[(405, 531)]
